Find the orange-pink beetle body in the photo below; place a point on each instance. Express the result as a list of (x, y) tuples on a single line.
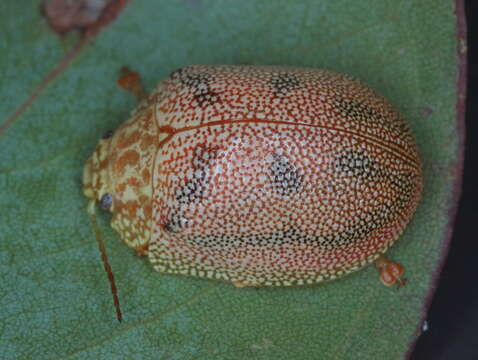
[(259, 175)]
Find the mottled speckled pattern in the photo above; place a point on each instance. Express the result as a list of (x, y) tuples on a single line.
[(262, 176)]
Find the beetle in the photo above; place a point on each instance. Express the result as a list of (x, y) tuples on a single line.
[(258, 175)]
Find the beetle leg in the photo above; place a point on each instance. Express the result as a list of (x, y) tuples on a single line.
[(390, 272), (131, 81), (142, 250)]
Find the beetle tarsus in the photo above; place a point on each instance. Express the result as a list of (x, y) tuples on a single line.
[(390, 272), (131, 81)]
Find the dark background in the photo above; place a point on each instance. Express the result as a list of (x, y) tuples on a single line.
[(453, 315)]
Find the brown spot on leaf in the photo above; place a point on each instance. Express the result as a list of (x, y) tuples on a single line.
[(88, 16), (66, 15), (427, 111), (108, 14)]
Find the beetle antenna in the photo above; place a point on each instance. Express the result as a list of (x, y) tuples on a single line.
[(104, 259)]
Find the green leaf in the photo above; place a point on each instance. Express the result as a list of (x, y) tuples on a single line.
[(54, 295)]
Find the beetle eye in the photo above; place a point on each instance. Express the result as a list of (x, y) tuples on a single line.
[(106, 201), (107, 135)]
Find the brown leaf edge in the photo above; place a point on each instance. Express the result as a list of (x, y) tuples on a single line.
[(458, 169), (109, 13)]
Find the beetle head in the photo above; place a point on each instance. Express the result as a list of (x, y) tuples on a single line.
[(118, 177), (95, 175), (95, 187)]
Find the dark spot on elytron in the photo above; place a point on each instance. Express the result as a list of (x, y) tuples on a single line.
[(200, 84), (351, 109), (283, 83), (221, 241), (206, 98), (193, 190), (357, 164), (357, 110), (169, 227), (106, 201), (404, 186), (401, 185), (107, 134), (285, 177), (352, 234), (355, 230), (175, 223), (176, 73)]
